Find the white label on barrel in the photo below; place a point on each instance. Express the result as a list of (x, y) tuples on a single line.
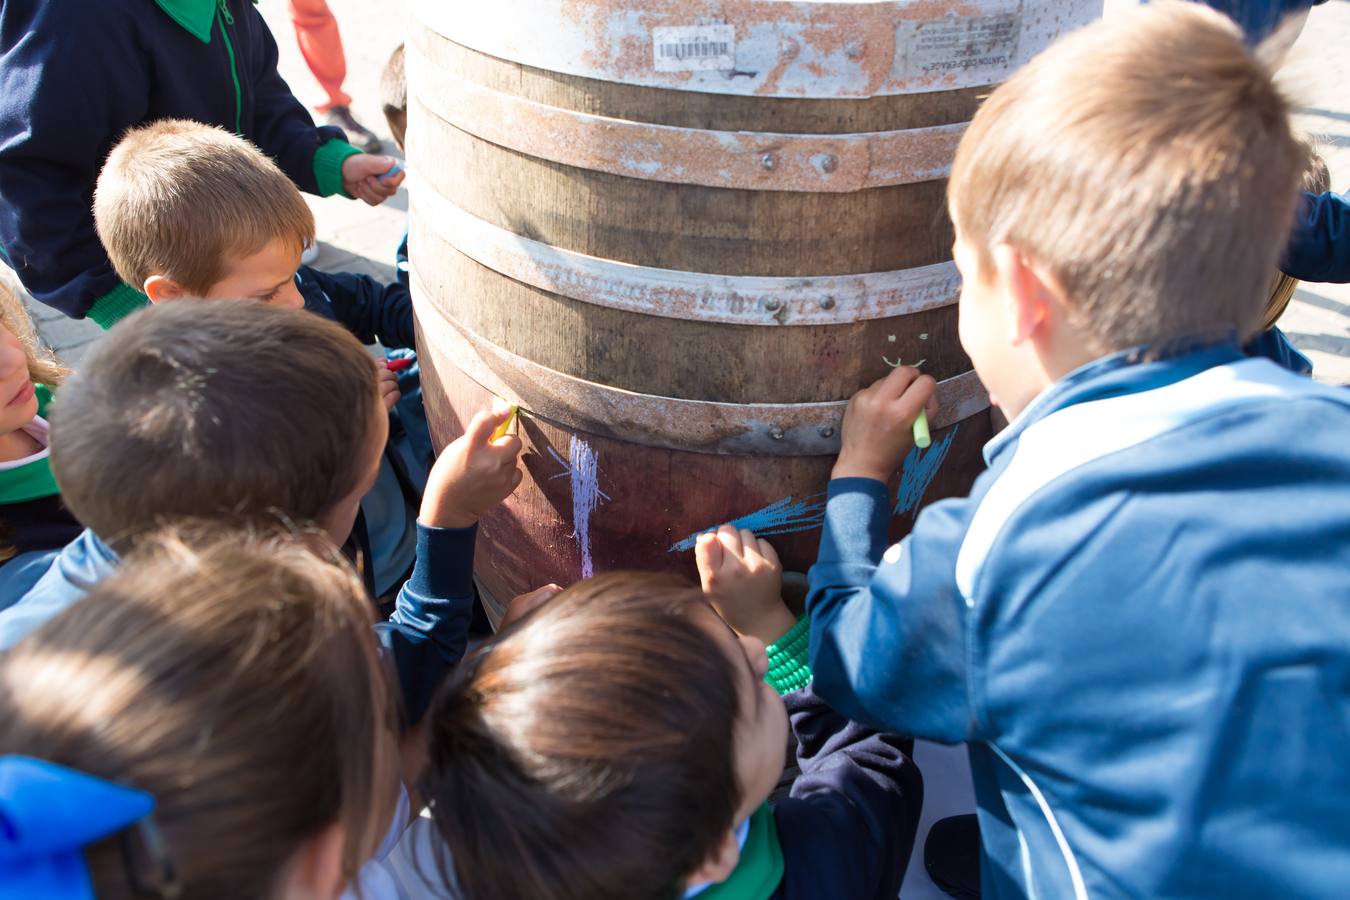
[(694, 48), (959, 45)]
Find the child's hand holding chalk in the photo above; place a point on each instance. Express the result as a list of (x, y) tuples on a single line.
[(883, 422), (473, 473), (394, 171)]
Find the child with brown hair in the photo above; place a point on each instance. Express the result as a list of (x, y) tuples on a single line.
[(32, 517), (175, 419), (186, 210), (621, 741), (212, 723), (1136, 620)]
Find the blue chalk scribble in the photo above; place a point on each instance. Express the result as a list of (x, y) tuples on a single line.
[(918, 471), (780, 517)]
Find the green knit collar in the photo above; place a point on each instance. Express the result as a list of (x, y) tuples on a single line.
[(196, 16), (760, 870)]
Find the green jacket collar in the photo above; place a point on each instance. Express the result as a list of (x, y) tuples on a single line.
[(760, 870), (195, 16)]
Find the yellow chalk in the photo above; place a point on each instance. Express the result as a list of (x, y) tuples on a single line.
[(921, 436), (504, 429)]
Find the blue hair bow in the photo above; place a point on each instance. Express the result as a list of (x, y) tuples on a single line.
[(48, 815)]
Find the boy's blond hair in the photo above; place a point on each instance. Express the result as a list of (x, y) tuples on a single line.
[(179, 198), (1149, 163), (1316, 180)]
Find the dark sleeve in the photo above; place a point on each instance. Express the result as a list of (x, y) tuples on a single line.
[(888, 629), (59, 117), (847, 827), (428, 632), (368, 309), (1320, 247), (282, 126)]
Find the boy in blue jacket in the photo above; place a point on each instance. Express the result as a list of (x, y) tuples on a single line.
[(1137, 619), (190, 210), (76, 74), (217, 411)]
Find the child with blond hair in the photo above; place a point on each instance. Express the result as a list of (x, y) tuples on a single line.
[(1136, 620)]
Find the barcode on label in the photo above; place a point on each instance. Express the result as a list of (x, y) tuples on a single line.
[(694, 48)]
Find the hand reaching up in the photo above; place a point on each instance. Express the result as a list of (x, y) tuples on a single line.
[(879, 424), (743, 579), (472, 474)]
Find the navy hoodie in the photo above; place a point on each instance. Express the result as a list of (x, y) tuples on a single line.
[(76, 74)]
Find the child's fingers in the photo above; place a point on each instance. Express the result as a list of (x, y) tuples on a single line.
[(731, 539), (895, 384), (748, 541), (766, 550), (707, 557), (915, 399), (483, 423)]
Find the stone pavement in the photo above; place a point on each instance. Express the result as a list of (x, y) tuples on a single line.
[(354, 237)]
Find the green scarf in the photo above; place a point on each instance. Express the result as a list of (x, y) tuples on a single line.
[(34, 480), (196, 16), (760, 870)]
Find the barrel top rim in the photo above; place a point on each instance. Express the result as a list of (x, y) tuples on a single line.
[(818, 49)]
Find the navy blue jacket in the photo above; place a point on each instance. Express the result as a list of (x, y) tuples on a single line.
[(76, 74), (425, 636), (847, 826), (1137, 620), (368, 309), (1258, 18), (1320, 249)]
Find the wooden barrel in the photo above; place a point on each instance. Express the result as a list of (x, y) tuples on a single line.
[(680, 234)]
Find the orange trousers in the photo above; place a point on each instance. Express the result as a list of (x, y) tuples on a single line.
[(321, 45)]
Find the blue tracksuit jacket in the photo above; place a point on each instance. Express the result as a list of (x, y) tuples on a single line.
[(425, 636), (1139, 620), (76, 74), (1320, 248)]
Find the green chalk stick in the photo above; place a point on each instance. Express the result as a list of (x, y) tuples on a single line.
[(921, 437)]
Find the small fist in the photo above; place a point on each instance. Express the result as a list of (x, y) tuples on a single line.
[(743, 579), (523, 604), (387, 382), (879, 424), (361, 177), (472, 474)]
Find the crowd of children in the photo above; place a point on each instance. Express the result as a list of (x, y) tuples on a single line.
[(236, 587)]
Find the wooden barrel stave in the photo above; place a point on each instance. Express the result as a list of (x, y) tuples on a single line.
[(657, 498), (671, 357)]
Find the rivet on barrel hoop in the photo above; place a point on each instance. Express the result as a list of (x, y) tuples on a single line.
[(772, 304), (827, 431), (827, 303), (776, 433), (769, 162)]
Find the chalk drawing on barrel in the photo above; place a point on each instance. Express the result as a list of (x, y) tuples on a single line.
[(784, 516), (918, 471), (583, 467)]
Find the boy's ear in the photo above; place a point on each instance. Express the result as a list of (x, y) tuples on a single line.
[(719, 865), (1028, 294), (160, 288)]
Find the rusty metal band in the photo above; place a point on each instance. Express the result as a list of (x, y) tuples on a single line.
[(745, 160), (673, 294), (774, 48), (697, 426)]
